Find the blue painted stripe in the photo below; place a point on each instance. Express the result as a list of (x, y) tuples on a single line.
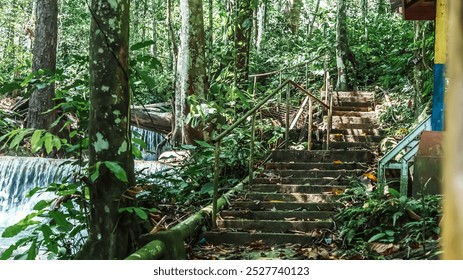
[(437, 118)]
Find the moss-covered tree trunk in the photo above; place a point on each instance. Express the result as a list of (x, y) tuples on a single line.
[(111, 234), (191, 70), (44, 57)]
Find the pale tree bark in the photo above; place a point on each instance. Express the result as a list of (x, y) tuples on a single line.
[(191, 70), (44, 57), (453, 141), (261, 11), (154, 34), (112, 234), (365, 7)]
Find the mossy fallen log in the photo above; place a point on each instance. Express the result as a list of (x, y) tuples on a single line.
[(169, 244)]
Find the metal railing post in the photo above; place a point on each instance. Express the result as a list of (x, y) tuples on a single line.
[(287, 117), (310, 124), (216, 184), (251, 151)]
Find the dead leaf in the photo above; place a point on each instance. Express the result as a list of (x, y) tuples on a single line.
[(322, 252), (371, 176), (384, 249), (338, 191), (338, 161)]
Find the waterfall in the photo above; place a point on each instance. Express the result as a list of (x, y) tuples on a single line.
[(18, 175), (152, 140)]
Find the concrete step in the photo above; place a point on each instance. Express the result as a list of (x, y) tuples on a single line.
[(371, 114), (243, 238), (277, 215), (353, 98), (355, 138), (310, 165), (353, 145), (353, 103), (352, 120), (274, 226), (283, 205), (327, 181), (363, 126), (354, 94), (294, 188), (360, 108), (290, 197), (315, 173), (359, 132), (321, 156)]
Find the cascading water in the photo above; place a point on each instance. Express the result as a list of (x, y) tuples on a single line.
[(18, 175), (152, 140)]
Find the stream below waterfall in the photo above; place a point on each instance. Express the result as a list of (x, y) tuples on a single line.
[(18, 175)]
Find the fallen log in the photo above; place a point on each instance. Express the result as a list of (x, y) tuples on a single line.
[(152, 119)]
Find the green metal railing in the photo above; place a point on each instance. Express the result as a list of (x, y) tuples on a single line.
[(252, 113), (400, 156)]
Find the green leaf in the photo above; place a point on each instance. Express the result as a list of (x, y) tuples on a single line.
[(389, 232), (142, 45), (32, 252), (42, 204), (8, 252), (376, 237), (18, 138), (9, 88), (35, 140), (139, 142), (207, 188), (204, 144), (141, 213), (117, 170), (61, 221), (395, 217), (48, 142), (13, 230), (57, 142), (394, 192), (126, 209)]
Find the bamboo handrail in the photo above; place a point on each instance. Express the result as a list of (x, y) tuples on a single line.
[(284, 69)]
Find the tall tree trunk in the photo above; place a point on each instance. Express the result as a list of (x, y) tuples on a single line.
[(154, 34), (191, 70), (341, 46), (111, 234), (242, 40), (294, 14), (314, 18), (365, 17), (261, 11), (174, 48), (44, 57), (343, 52)]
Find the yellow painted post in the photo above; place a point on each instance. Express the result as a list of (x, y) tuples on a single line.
[(452, 229)]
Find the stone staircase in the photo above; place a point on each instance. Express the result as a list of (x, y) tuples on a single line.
[(296, 194)]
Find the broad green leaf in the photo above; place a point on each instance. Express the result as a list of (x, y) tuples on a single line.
[(48, 142), (42, 204), (9, 88), (207, 188), (35, 139), (126, 209), (204, 144), (141, 45), (139, 142), (389, 232), (117, 170), (13, 230), (61, 221), (18, 138), (8, 252), (32, 252), (57, 142), (394, 192), (376, 237), (141, 213)]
